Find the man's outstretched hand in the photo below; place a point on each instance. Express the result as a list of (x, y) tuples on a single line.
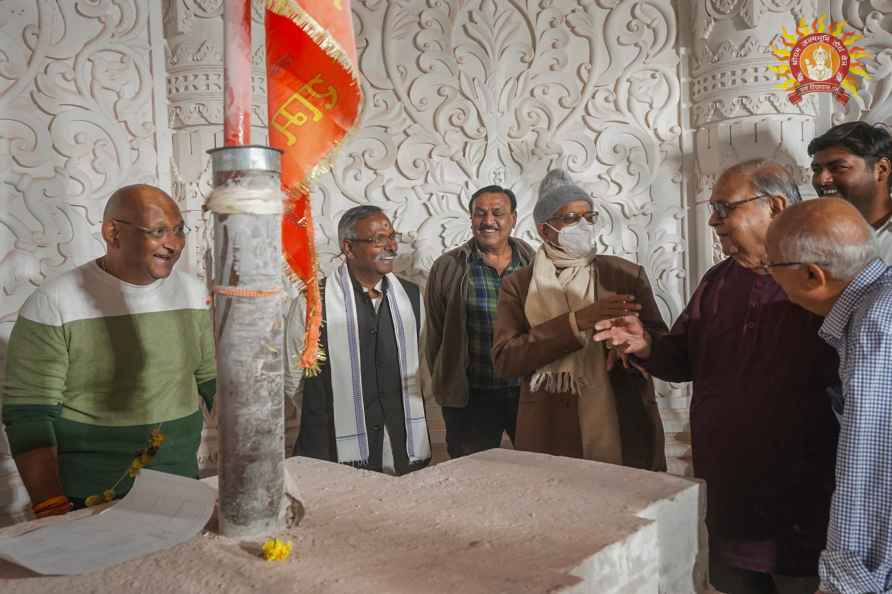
[(624, 335)]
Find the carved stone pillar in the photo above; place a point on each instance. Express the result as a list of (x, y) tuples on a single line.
[(737, 111)]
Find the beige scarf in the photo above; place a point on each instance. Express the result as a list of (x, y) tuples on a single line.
[(559, 285)]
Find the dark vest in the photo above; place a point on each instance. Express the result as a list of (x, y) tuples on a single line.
[(381, 386)]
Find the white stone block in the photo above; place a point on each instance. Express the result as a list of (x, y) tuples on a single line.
[(497, 521)]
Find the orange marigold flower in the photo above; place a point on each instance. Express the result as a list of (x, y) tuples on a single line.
[(135, 466), (157, 438), (108, 494)]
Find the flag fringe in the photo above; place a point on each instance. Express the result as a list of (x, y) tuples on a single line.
[(294, 12)]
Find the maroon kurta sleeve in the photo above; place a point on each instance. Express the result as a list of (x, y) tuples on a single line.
[(670, 357), (650, 312)]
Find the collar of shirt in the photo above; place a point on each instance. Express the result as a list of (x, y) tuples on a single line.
[(476, 256), (380, 286), (885, 228), (836, 321)]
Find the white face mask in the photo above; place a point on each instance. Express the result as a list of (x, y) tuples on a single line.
[(577, 240)]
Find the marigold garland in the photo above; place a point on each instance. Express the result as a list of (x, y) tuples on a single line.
[(142, 458), (276, 550)]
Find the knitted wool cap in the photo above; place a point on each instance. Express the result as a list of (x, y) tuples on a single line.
[(556, 190)]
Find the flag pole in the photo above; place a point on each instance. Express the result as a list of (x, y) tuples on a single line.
[(237, 72)]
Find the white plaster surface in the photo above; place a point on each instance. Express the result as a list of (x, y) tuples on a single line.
[(498, 521)]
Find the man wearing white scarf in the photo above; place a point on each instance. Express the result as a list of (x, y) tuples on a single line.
[(364, 406), (571, 404)]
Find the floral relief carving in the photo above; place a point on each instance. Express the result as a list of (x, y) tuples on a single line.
[(873, 20), (725, 7)]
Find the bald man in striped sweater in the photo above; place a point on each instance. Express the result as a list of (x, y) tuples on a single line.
[(106, 354)]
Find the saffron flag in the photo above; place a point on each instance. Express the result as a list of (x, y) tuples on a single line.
[(314, 98)]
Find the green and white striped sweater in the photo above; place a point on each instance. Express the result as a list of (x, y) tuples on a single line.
[(95, 363)]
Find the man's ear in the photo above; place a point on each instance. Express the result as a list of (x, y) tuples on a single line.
[(816, 277), (777, 204), (883, 169), (347, 249), (109, 232)]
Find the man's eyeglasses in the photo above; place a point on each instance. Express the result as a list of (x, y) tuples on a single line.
[(159, 232), (572, 218), (766, 268), (381, 240), (723, 209)]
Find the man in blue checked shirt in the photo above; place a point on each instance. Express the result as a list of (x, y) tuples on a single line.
[(825, 256)]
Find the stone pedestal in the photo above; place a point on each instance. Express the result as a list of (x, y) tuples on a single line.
[(498, 521)]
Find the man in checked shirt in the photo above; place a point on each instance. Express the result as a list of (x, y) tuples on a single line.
[(462, 292), (825, 256)]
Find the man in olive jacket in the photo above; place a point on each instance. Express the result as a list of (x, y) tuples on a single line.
[(461, 297)]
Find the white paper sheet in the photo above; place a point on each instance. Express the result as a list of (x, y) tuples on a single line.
[(160, 511)]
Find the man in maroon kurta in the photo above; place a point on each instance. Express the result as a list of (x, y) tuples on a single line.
[(762, 430)]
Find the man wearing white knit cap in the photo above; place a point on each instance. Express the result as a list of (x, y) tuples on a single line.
[(571, 402)]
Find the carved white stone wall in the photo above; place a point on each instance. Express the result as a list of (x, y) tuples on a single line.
[(79, 117), (873, 20)]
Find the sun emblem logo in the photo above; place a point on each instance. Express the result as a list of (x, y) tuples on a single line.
[(819, 59)]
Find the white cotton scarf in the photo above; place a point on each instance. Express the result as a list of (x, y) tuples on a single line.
[(342, 329), (561, 284)]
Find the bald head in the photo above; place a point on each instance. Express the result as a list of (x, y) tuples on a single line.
[(829, 231), (144, 234), (130, 202)]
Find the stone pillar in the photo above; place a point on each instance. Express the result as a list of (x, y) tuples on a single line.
[(247, 203), (737, 111)]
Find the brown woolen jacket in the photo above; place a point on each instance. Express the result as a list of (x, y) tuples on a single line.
[(519, 350), (446, 334)]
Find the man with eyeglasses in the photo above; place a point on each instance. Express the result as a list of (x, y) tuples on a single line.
[(571, 404), (462, 291), (824, 254), (854, 160), (103, 355), (363, 406), (762, 431)]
